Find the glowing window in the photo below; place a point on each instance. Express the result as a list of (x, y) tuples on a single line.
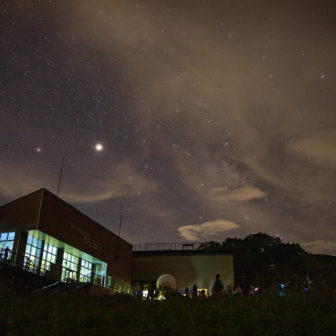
[(85, 271), (6, 245), (69, 267), (32, 254), (48, 257)]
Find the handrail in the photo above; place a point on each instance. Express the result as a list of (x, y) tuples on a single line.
[(95, 278), (181, 246)]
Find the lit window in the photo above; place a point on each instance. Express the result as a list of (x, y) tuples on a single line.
[(69, 267), (6, 245), (85, 271), (32, 254), (48, 257)]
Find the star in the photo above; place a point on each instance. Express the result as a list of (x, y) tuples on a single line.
[(99, 147), (38, 149)]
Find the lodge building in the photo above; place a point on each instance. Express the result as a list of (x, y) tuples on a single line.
[(43, 234)]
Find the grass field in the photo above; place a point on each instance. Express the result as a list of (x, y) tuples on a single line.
[(294, 314)]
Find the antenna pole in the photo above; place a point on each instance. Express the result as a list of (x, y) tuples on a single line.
[(116, 256), (60, 176), (120, 218)]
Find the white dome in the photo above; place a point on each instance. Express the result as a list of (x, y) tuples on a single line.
[(166, 280)]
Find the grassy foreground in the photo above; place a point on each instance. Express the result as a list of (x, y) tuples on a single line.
[(294, 314)]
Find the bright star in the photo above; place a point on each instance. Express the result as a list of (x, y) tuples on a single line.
[(99, 147)]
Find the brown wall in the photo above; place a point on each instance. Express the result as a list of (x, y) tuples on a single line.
[(60, 220), (21, 214), (186, 269)]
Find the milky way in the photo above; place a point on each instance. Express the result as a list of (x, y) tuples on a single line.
[(216, 118)]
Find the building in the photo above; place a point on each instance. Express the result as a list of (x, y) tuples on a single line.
[(45, 235), (188, 268)]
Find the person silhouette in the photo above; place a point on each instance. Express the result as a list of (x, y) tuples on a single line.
[(152, 289), (218, 285), (194, 290), (7, 250)]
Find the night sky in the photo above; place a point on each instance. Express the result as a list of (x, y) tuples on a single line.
[(216, 118)]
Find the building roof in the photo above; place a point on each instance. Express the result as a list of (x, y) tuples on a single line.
[(36, 201), (82, 214)]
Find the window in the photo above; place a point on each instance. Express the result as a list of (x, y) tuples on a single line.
[(6, 245), (32, 254), (69, 267), (48, 257), (109, 282), (85, 271)]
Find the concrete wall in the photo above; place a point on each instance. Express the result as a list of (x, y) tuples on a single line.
[(187, 269)]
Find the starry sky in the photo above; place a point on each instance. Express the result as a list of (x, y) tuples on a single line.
[(216, 118)]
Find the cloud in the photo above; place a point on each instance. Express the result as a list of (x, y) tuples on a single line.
[(161, 213), (212, 118), (14, 184), (125, 182), (320, 148), (320, 246), (220, 194), (206, 229)]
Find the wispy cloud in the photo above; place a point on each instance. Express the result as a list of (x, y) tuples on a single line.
[(206, 229), (320, 246), (319, 148), (220, 194), (15, 183), (125, 182)]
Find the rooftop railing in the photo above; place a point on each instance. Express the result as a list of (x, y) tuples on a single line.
[(182, 246)]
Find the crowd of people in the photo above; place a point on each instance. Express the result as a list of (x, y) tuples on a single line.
[(218, 288)]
